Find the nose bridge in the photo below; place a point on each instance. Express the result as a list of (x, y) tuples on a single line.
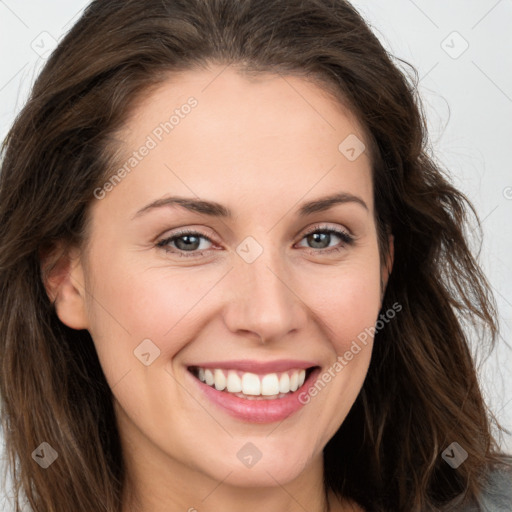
[(264, 303)]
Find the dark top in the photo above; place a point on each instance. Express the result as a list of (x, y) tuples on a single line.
[(496, 496)]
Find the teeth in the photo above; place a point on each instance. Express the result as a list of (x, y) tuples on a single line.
[(302, 378), (284, 383), (220, 380), (208, 377), (234, 382), (294, 381), (250, 385), (270, 385)]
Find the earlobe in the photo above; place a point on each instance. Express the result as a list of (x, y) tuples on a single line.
[(63, 279)]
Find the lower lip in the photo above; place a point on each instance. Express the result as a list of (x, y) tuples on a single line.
[(257, 411)]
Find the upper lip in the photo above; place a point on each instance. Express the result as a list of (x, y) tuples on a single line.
[(248, 365)]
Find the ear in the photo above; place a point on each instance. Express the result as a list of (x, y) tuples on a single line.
[(388, 265), (63, 279)]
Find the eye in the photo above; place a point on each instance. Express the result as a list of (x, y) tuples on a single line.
[(185, 241), (189, 243), (320, 237)]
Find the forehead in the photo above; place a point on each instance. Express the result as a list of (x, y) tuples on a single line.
[(219, 131), (232, 100)]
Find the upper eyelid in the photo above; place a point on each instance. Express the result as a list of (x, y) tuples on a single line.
[(324, 227)]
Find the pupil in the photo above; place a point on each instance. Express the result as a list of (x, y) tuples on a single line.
[(319, 238), (191, 242)]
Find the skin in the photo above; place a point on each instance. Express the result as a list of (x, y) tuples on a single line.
[(261, 147)]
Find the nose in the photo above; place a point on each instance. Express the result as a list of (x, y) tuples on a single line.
[(263, 301)]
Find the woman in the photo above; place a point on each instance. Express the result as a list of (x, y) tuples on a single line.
[(233, 277)]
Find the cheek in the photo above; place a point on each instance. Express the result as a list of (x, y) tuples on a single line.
[(349, 312), (346, 301), (346, 308), (130, 303)]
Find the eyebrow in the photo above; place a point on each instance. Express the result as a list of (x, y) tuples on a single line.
[(215, 209)]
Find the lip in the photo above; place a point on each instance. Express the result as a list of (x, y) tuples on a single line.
[(258, 367), (256, 411)]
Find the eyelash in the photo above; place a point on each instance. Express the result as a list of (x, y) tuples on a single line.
[(346, 239)]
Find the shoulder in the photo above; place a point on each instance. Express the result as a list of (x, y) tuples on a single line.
[(496, 495)]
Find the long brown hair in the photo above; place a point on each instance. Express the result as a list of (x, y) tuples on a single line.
[(421, 392)]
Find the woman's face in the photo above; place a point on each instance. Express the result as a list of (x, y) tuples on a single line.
[(252, 299)]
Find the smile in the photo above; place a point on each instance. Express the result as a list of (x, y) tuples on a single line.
[(251, 385), (266, 394)]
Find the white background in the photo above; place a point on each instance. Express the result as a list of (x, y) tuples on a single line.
[(467, 96)]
